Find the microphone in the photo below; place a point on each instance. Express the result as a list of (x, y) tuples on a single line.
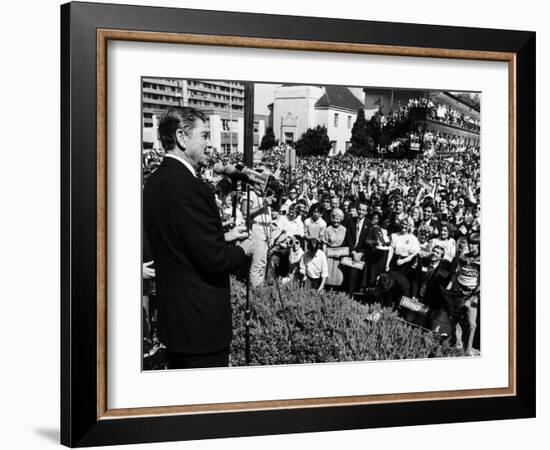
[(229, 171), (243, 173)]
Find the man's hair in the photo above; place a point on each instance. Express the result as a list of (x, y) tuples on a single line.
[(175, 119), (438, 247), (384, 283), (473, 238), (317, 208)]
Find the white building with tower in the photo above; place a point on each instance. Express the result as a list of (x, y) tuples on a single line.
[(299, 107)]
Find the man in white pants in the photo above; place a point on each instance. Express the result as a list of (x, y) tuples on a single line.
[(260, 212)]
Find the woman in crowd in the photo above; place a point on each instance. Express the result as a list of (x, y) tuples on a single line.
[(415, 213), (295, 254), (446, 241), (314, 225), (336, 235), (424, 241), (294, 225), (404, 249)]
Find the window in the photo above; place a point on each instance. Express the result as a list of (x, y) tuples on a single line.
[(335, 120), (349, 121), (333, 144)]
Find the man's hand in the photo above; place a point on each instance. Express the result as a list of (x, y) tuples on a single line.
[(228, 222), (237, 233), (247, 246), (356, 256), (401, 261), (147, 272)]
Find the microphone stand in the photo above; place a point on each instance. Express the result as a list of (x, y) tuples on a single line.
[(247, 307), (234, 201)]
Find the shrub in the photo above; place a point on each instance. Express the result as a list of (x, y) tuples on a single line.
[(314, 142), (327, 327)]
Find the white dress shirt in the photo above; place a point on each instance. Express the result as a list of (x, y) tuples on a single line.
[(183, 161)]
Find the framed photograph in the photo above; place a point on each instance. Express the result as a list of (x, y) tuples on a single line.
[(279, 224)]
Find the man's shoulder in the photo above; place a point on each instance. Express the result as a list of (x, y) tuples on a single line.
[(171, 181), (445, 265), (425, 260), (170, 172)]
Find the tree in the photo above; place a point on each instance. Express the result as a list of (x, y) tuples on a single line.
[(362, 142), (314, 142), (268, 141)]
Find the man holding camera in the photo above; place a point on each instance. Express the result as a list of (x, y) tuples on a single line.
[(257, 210)]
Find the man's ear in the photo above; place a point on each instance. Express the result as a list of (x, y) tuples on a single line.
[(180, 140)]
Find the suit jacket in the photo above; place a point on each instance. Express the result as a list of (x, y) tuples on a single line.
[(435, 224), (362, 241), (350, 228), (192, 260), (436, 281)]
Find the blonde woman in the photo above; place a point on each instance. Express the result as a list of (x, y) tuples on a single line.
[(336, 235)]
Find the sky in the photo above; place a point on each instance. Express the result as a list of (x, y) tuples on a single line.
[(263, 96)]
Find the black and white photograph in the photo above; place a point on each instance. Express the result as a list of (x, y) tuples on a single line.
[(295, 224)]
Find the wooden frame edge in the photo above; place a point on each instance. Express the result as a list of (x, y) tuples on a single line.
[(103, 36), (303, 403), (512, 199), (289, 44), (101, 223)]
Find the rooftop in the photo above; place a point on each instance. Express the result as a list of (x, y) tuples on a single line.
[(339, 97)]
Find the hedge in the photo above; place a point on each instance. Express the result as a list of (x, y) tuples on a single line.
[(326, 327)]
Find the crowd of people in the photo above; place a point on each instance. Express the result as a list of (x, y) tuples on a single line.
[(434, 142), (426, 140), (375, 228), (432, 110)]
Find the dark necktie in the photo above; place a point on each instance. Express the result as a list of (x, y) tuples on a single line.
[(424, 286)]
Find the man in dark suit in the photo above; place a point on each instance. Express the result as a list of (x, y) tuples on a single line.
[(359, 250), (430, 221), (192, 258), (431, 277)]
